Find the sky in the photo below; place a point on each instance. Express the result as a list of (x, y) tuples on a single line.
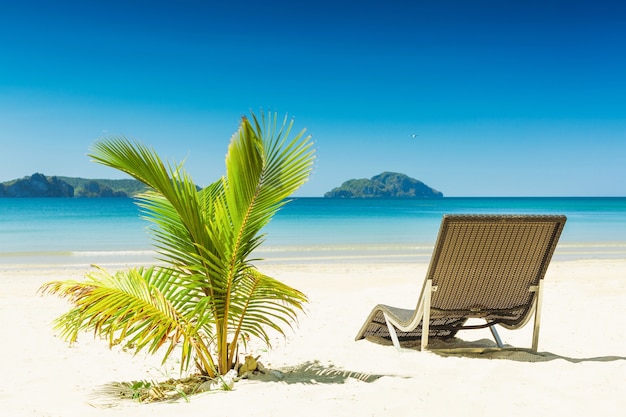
[(474, 98)]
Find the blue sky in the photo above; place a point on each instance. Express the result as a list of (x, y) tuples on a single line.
[(507, 98)]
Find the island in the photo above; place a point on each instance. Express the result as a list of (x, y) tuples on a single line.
[(384, 185), (39, 185)]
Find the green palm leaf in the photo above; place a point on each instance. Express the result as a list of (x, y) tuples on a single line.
[(128, 307), (208, 294)]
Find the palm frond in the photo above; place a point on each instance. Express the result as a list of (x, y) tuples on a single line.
[(263, 168), (208, 291), (261, 302), (173, 206), (125, 307)]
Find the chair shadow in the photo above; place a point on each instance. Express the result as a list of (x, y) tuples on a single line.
[(491, 351), (487, 349), (526, 355)]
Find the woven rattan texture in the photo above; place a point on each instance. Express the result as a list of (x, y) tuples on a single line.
[(441, 328), (483, 266)]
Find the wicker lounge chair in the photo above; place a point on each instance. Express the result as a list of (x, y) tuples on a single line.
[(483, 266)]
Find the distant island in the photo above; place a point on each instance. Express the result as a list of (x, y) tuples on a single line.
[(39, 185), (385, 185)]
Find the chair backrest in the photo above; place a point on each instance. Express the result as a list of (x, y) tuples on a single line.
[(488, 266)]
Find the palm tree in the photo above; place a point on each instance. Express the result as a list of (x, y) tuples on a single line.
[(206, 297)]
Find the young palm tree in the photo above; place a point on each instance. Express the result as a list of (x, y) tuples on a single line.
[(208, 297)]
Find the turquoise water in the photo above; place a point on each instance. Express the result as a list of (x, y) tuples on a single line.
[(100, 230)]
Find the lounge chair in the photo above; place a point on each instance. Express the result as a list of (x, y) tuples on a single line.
[(489, 267)]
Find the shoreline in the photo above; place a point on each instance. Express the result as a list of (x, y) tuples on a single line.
[(578, 370), (405, 253)]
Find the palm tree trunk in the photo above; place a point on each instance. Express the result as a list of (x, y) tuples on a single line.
[(222, 346)]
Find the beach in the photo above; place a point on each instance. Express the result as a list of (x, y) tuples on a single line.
[(337, 147), (321, 369)]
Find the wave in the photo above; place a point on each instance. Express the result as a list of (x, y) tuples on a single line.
[(113, 253), (335, 253), (598, 245), (345, 247)]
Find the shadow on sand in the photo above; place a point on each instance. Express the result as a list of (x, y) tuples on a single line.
[(487, 349), (314, 373), (526, 355)]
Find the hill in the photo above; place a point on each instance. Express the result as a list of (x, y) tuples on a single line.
[(384, 185), (85, 187), (39, 185)]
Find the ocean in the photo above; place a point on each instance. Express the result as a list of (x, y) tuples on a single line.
[(111, 231)]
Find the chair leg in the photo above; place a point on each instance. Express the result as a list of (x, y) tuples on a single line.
[(428, 288), (425, 318), (538, 302), (392, 332), (496, 336)]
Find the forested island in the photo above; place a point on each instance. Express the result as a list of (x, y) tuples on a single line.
[(384, 185), (39, 185)]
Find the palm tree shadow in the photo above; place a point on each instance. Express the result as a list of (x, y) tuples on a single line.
[(314, 373)]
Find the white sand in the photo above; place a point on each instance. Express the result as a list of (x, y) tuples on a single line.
[(581, 368)]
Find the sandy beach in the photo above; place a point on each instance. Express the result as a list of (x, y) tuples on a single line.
[(578, 371)]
